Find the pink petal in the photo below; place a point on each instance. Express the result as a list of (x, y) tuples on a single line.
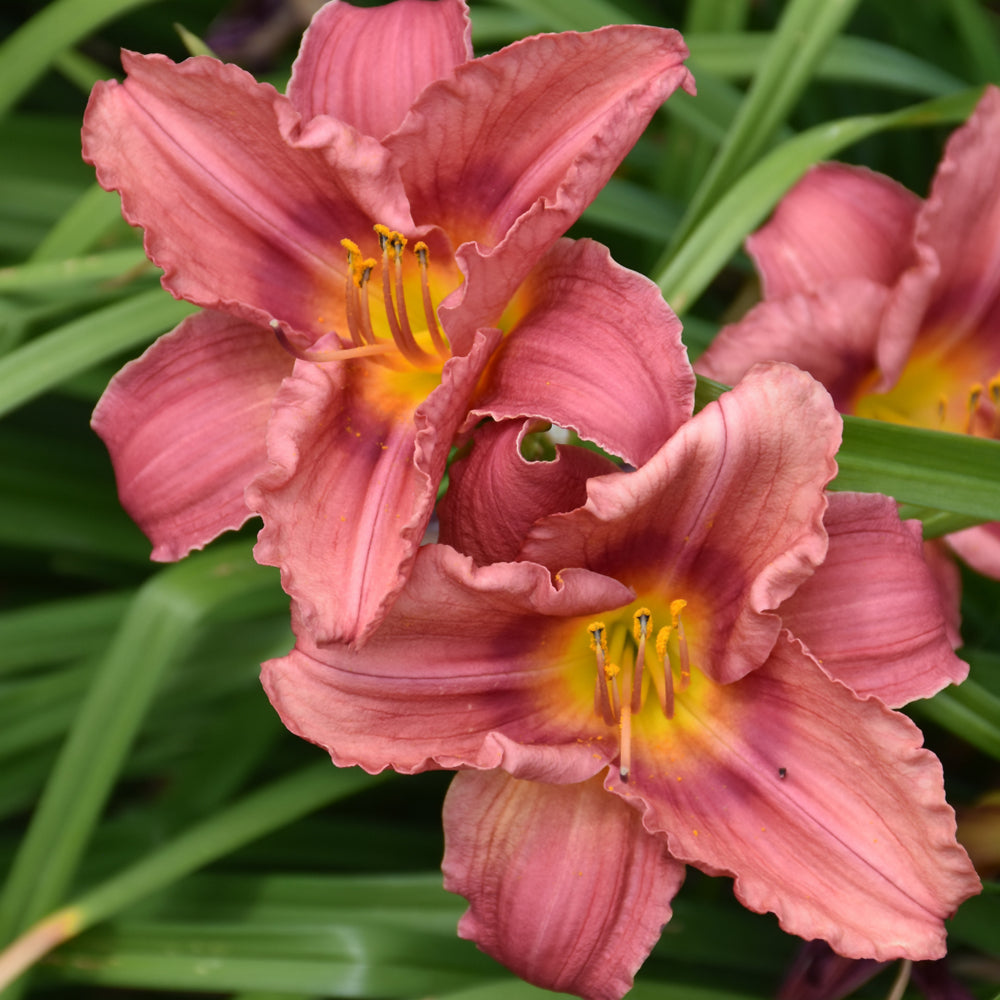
[(727, 516), (185, 425), (351, 489), (564, 886), (832, 334), (598, 351), (872, 614), (837, 222), (454, 676), (960, 222), (495, 496), (979, 547), (547, 117), (239, 218), (366, 66), (822, 805)]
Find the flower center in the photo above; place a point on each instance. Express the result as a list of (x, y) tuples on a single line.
[(940, 392), (378, 318), (629, 661)]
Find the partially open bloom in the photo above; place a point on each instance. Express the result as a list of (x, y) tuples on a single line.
[(891, 302), (359, 245), (625, 697)]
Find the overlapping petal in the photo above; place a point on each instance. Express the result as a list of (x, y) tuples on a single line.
[(821, 804), (838, 222), (871, 614), (344, 472), (454, 676), (479, 148), (366, 65), (235, 214), (184, 425), (832, 334), (567, 362), (727, 515), (495, 495), (565, 887)]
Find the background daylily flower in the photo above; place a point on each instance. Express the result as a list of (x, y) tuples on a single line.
[(626, 699), (376, 223), (893, 303)]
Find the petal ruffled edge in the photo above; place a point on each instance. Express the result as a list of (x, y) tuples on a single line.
[(455, 676), (350, 489), (580, 310), (186, 425), (822, 805), (872, 612), (366, 66), (728, 515), (565, 887)]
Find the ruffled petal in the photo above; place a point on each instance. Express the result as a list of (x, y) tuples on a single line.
[(564, 886), (960, 222), (727, 516), (454, 677), (597, 351), (837, 222), (186, 424), (243, 209), (366, 66), (495, 495), (549, 114), (821, 804), (872, 614), (351, 488), (832, 334)]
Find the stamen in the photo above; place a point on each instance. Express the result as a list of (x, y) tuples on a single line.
[(392, 244), (676, 607), (975, 394), (642, 623), (355, 296), (664, 679), (423, 257), (599, 645)]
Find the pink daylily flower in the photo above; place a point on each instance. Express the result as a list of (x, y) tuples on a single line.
[(892, 302), (624, 696), (358, 245)]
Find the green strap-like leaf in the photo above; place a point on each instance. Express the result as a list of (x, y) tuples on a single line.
[(746, 204), (70, 349), (28, 52)]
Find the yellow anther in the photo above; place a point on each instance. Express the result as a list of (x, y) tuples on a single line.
[(598, 635), (397, 241), (993, 387), (422, 251), (384, 232), (611, 670), (353, 250), (662, 638), (642, 623), (676, 607), (975, 393)]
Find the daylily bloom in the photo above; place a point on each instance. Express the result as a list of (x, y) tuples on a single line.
[(892, 302), (359, 245), (625, 698)]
